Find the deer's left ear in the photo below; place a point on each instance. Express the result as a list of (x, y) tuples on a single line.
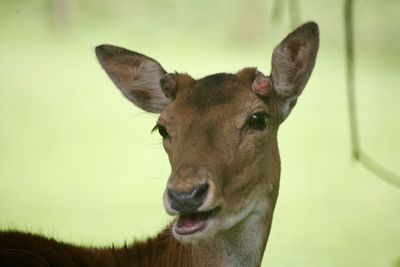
[(292, 63)]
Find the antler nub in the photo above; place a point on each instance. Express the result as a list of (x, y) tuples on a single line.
[(262, 85)]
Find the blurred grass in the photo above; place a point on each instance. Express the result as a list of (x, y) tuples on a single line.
[(78, 162)]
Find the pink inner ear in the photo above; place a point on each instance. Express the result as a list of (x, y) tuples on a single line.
[(261, 85)]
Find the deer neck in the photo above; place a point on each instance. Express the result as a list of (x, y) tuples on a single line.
[(242, 245)]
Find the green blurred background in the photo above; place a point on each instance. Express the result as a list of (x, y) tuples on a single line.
[(78, 162)]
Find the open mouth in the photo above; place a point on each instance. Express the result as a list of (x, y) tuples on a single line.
[(192, 223)]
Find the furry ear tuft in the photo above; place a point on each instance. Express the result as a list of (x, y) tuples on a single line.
[(172, 82)]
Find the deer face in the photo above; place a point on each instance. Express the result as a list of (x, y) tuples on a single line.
[(220, 132), (221, 141)]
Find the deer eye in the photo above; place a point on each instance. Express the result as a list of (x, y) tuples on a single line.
[(161, 130), (258, 121)]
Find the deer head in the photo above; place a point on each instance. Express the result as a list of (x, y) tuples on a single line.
[(220, 132)]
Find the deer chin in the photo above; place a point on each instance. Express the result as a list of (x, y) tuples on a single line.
[(257, 205)]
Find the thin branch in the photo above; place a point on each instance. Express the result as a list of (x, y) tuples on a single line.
[(365, 160), (349, 35), (277, 10), (380, 171), (294, 13)]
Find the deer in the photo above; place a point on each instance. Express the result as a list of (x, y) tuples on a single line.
[(220, 134)]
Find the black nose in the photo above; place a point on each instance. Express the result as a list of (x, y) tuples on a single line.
[(188, 202)]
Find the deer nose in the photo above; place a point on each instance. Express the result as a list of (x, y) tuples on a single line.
[(188, 202)]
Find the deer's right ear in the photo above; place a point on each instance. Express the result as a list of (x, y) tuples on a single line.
[(136, 75)]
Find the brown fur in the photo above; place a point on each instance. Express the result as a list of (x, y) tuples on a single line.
[(24, 249)]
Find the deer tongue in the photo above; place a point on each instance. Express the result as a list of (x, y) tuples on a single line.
[(191, 223)]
